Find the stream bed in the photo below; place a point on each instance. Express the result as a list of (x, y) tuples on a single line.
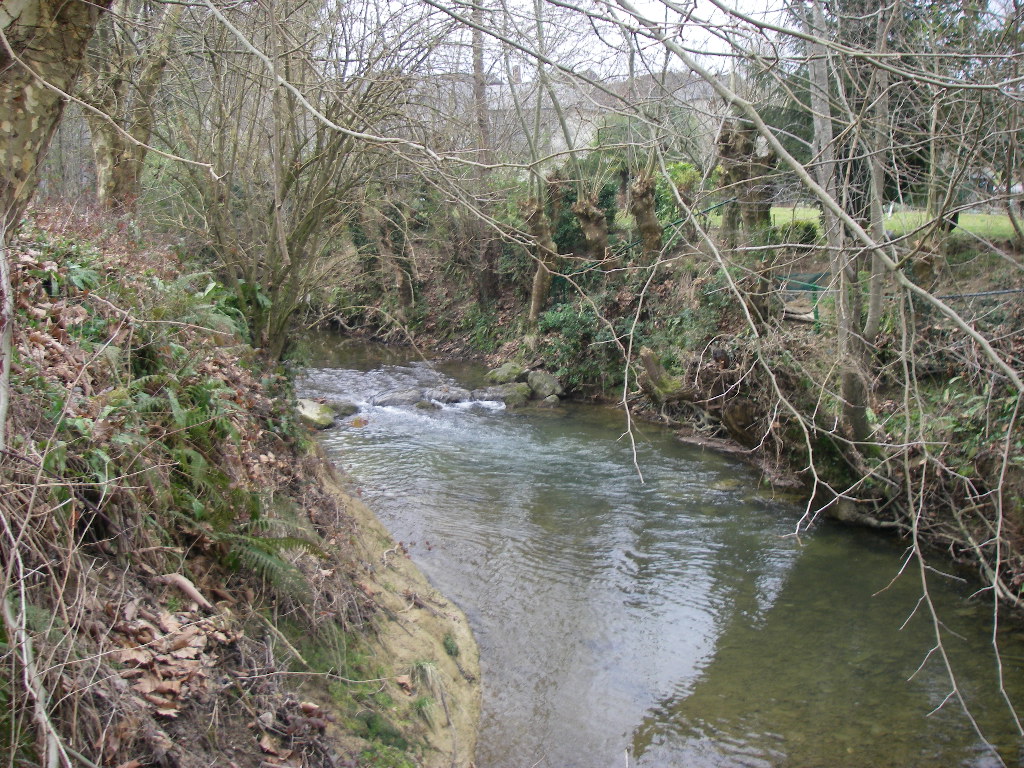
[(668, 621)]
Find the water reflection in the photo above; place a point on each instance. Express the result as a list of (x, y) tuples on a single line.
[(816, 679), (674, 622)]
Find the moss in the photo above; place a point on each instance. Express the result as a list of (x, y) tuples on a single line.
[(383, 756)]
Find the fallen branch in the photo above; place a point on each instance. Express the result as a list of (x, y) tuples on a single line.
[(186, 587)]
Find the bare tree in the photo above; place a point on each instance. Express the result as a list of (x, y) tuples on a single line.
[(278, 215)]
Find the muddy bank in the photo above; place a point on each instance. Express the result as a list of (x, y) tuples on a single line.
[(418, 633)]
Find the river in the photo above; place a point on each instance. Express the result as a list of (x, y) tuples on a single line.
[(668, 621)]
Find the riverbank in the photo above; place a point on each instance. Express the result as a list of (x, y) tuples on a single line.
[(419, 630), (188, 581)]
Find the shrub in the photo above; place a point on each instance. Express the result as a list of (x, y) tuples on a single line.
[(799, 232), (580, 349)]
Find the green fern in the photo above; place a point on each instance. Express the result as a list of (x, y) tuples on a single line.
[(263, 557)]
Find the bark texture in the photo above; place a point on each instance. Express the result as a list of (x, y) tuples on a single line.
[(748, 176), (546, 255), (43, 40), (594, 224), (642, 206)]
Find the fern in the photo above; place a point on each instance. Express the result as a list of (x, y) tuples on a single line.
[(261, 556)]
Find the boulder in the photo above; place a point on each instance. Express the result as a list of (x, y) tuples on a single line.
[(399, 397), (544, 385), (551, 401), (316, 415), (506, 374), (342, 408), (447, 394), (514, 395)]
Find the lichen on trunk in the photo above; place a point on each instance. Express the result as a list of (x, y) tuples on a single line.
[(661, 386), (746, 176)]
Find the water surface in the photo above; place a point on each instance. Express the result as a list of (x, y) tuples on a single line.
[(672, 621)]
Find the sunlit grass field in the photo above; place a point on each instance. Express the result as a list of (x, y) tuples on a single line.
[(986, 225)]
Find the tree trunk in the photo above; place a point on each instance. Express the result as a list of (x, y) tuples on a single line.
[(642, 206), (594, 224), (877, 151), (852, 388), (44, 40), (747, 176), (662, 387), (124, 87), (546, 256), (490, 247)]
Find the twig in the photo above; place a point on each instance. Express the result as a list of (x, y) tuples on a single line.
[(280, 636)]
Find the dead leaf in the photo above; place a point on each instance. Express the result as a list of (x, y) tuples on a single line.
[(168, 623), (146, 685), (102, 431), (131, 608), (75, 315), (184, 638), (405, 683), (169, 687), (39, 339), (136, 656), (161, 701), (267, 745)]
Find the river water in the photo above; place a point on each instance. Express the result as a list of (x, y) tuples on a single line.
[(672, 621)]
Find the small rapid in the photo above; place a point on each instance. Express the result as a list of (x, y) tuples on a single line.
[(673, 621)]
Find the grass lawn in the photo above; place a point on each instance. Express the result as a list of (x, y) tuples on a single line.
[(987, 225)]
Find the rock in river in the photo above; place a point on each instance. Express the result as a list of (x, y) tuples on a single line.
[(513, 395), (507, 373), (399, 397), (316, 415), (447, 394), (342, 408), (544, 385)]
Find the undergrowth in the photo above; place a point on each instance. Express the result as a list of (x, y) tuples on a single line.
[(150, 448)]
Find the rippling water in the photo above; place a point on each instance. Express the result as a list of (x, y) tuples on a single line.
[(669, 622)]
